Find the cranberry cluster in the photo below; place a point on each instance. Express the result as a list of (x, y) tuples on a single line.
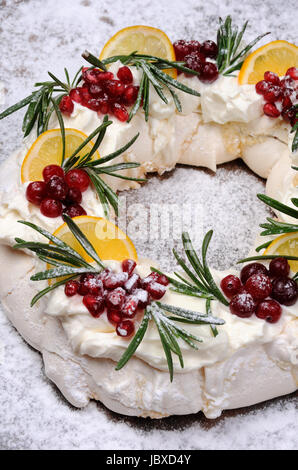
[(195, 54), (59, 192), (122, 294), (250, 293), (101, 92), (280, 94)]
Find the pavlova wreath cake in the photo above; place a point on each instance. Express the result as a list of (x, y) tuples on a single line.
[(112, 326)]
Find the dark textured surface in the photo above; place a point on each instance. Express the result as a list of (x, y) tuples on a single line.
[(37, 36)]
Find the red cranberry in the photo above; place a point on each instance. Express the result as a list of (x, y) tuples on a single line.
[(293, 73), (125, 76), (114, 316), (259, 286), (230, 285), (272, 94), (132, 283), (66, 105), (142, 296), (269, 310), (125, 328), (74, 196), (130, 95), (272, 77), (94, 304), (285, 291), (195, 61), (181, 49), (51, 208), (115, 299), (128, 266), (75, 210), (193, 46), (156, 290), (56, 188), (120, 112), (71, 288), (52, 170), (75, 96), (78, 179), (279, 267), (243, 305), (262, 87), (130, 306), (113, 280), (250, 269), (271, 110), (209, 49), (36, 192), (209, 73)]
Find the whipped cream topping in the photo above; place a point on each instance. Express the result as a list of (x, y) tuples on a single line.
[(97, 337)]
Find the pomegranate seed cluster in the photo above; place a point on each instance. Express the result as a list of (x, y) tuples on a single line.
[(59, 192), (122, 295), (196, 55), (103, 92), (280, 95), (260, 291)]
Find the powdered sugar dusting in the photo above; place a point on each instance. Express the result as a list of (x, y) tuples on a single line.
[(40, 36)]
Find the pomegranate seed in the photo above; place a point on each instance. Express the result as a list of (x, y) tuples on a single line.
[(142, 296), (104, 76), (125, 76), (91, 76), (74, 196), (114, 316), (286, 102), (156, 277), (75, 210), (78, 179), (271, 110), (287, 82), (230, 285), (71, 288), (115, 299), (285, 291), (52, 170), (114, 280), (209, 73), (56, 188), (262, 87), (36, 192), (85, 94), (83, 284), (130, 95), (66, 105), (75, 96), (94, 104), (259, 286), (289, 114), (94, 304), (90, 284), (272, 77), (114, 88), (293, 73), (269, 310), (132, 283), (95, 90), (51, 208), (243, 305), (103, 105), (195, 61), (250, 269), (156, 290), (209, 49), (272, 94), (128, 266), (279, 267), (120, 112), (125, 328), (130, 306), (104, 273)]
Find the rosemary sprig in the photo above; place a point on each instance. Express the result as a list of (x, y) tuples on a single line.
[(66, 261), (230, 55), (152, 68), (41, 103), (295, 129), (169, 331)]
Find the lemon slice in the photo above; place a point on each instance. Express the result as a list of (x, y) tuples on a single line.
[(108, 240), (285, 245), (47, 150), (277, 56), (144, 40)]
